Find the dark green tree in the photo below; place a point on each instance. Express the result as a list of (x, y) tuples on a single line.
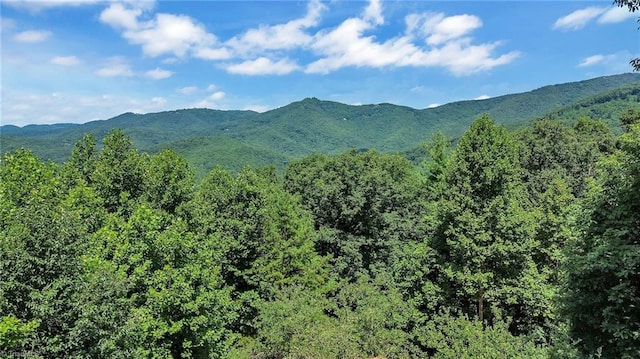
[(364, 206), (603, 282)]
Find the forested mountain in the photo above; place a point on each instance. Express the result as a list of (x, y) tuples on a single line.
[(504, 244), (234, 138)]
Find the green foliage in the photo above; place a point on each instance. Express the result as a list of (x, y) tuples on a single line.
[(232, 139), (602, 288), (458, 337), (487, 234), (364, 206), (15, 334), (168, 181), (120, 254), (118, 174)]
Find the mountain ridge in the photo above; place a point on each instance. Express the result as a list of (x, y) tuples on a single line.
[(314, 125)]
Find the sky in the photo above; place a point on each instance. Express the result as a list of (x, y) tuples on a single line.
[(71, 61)]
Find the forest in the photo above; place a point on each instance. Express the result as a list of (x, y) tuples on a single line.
[(500, 244)]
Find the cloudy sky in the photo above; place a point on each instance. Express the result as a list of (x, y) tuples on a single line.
[(77, 61)]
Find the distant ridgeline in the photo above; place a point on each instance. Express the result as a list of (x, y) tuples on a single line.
[(232, 139)]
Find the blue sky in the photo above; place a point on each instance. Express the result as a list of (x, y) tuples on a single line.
[(77, 61)]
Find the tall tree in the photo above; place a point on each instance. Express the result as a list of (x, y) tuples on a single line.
[(603, 281), (487, 234)]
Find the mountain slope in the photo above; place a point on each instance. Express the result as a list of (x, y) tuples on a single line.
[(312, 125)]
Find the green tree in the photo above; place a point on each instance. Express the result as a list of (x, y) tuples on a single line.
[(42, 234), (263, 235), (602, 286), (168, 181), (487, 233), (151, 289), (450, 337), (119, 172), (364, 206)]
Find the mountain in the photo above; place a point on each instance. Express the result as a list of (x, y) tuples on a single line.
[(234, 138)]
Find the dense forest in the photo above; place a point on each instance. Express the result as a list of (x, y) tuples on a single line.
[(501, 244)]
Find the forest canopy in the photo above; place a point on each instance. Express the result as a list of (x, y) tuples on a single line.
[(504, 244)]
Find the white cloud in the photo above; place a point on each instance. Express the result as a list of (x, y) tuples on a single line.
[(601, 59), (430, 40), (281, 36), (580, 18), (433, 105), (158, 74), (36, 6), (373, 13), (32, 36), (482, 97), (263, 66), (217, 96), (115, 67), (210, 101), (67, 107), (65, 60), (211, 87), (439, 28), (188, 90), (616, 14), (159, 100), (165, 34), (209, 53), (118, 16), (347, 45)]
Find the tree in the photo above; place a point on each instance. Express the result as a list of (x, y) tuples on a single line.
[(364, 206), (119, 172), (603, 271), (42, 234), (633, 6), (487, 232), (263, 236)]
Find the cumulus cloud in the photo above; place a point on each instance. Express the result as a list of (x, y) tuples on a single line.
[(580, 18), (263, 66), (118, 16), (65, 60), (482, 97), (158, 74), (438, 28), (282, 36), (447, 45), (430, 40), (164, 34), (32, 36)]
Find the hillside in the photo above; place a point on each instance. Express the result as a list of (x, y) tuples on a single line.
[(234, 138)]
